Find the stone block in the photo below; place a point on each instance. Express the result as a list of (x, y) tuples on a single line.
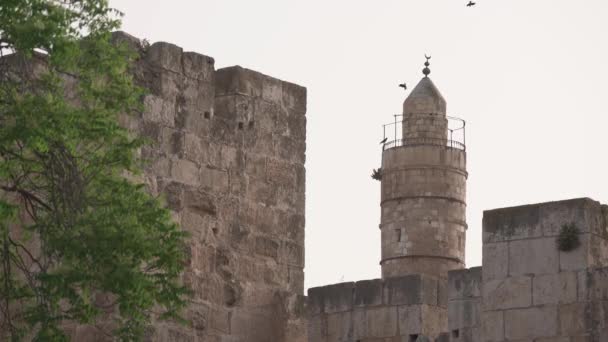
[(442, 293), (297, 127), (294, 98), (368, 293), (291, 149), (173, 193), (595, 283), (495, 260), (280, 173), (553, 339), (121, 37), (532, 323), (157, 109), (185, 171), (514, 292), (199, 201), (410, 319), (166, 56), (464, 313), (492, 323), (443, 337), (238, 80), (272, 90), (317, 328), (464, 283), (511, 223), (406, 290), (576, 259), (534, 256), (554, 288), (598, 251), (296, 280), (198, 66), (193, 149), (219, 319), (577, 211), (574, 318), (339, 326), (434, 320), (192, 120), (331, 298), (267, 247), (381, 321), (214, 179), (292, 254), (197, 95)]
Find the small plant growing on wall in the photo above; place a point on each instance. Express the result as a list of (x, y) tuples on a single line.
[(568, 238), (377, 174)]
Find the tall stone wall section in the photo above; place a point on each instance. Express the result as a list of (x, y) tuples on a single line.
[(228, 155), (464, 305), (400, 309), (532, 291)]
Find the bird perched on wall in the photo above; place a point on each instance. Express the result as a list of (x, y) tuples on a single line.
[(471, 4), (403, 85), (383, 140)]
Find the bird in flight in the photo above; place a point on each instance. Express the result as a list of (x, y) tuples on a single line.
[(383, 140), (471, 4), (403, 85)]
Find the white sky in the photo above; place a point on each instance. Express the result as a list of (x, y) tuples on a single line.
[(528, 76)]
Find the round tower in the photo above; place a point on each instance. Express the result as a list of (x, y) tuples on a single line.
[(423, 179)]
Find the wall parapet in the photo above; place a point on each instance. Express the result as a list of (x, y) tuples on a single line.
[(405, 290)]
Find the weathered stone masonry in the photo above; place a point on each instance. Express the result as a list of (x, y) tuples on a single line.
[(528, 290), (228, 155)]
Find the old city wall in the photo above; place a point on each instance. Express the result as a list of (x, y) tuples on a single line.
[(464, 305), (228, 156), (395, 309), (531, 290)]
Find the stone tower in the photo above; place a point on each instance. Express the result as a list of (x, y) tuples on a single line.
[(423, 203)]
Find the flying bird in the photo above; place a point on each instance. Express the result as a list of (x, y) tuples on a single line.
[(471, 4), (403, 85), (383, 140)]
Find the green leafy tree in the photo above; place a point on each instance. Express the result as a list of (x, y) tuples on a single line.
[(73, 229)]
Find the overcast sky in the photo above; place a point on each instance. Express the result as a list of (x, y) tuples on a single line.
[(529, 77)]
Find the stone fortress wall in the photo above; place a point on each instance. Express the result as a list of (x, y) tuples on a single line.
[(228, 155), (526, 291), (393, 309), (531, 289)]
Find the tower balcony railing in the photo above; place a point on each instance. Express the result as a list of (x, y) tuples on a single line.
[(455, 137)]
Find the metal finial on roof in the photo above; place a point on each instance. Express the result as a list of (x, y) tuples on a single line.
[(426, 71)]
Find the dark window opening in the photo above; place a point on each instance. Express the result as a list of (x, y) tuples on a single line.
[(455, 333), (207, 115), (398, 231), (413, 337), (240, 125), (251, 124)]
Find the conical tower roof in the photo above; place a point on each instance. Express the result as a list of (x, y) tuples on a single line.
[(424, 99)]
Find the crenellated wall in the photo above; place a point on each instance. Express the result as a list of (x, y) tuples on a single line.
[(228, 156)]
